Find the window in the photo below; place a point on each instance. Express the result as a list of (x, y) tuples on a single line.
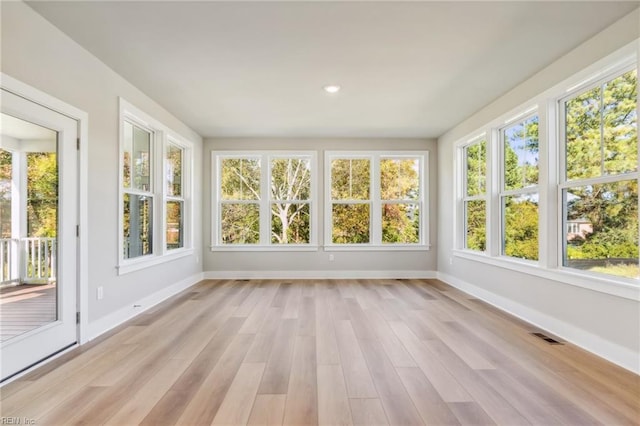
[(264, 200), (475, 194), (137, 191), (519, 195), (599, 185), (174, 203), (155, 192), (376, 200), (555, 182)]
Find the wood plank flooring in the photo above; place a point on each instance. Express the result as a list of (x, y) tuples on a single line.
[(26, 307), (329, 352)]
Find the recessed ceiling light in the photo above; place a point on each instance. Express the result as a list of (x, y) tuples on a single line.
[(332, 88)]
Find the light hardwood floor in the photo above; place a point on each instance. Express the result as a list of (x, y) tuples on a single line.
[(361, 352)]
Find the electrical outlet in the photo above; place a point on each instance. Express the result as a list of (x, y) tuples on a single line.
[(100, 293), (331, 258)]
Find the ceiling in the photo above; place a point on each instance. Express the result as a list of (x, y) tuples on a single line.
[(21, 130), (257, 69)]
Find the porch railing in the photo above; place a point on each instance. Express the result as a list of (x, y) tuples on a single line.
[(28, 260)]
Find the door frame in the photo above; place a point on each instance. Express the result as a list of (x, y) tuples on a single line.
[(37, 96)]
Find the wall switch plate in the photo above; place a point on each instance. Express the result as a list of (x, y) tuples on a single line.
[(100, 293)]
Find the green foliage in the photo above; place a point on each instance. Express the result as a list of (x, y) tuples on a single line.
[(240, 179), (602, 139), (350, 179), (350, 223), (42, 194), (521, 154), (400, 223), (476, 225), (174, 171), (400, 181), (476, 185), (521, 227), (240, 223), (476, 165), (289, 191)]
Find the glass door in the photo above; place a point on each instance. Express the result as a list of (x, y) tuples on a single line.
[(38, 217)]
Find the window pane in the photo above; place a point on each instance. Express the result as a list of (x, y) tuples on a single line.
[(476, 160), (174, 171), (520, 237), (521, 154), (290, 223), (240, 223), (174, 227), (290, 179), (350, 223), (476, 225), (401, 223), (602, 228), (127, 149), (137, 158), (620, 121), (400, 179), (582, 115), (350, 179), (138, 227), (42, 194), (240, 179)]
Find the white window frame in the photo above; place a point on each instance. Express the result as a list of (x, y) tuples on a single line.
[(504, 193), (161, 137), (185, 192), (552, 227), (564, 183), (375, 222), (465, 198), (264, 202)]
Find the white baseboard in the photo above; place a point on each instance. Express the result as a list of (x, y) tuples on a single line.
[(114, 319), (317, 275), (620, 355)]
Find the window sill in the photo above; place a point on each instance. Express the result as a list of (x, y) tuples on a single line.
[(381, 247), (255, 247), (147, 261), (625, 288)]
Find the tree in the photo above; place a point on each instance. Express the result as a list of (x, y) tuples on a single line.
[(400, 181), (289, 192), (350, 182), (240, 181), (602, 139), (290, 182), (521, 145), (476, 185), (42, 194)]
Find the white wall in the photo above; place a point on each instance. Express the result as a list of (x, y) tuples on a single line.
[(40, 55), (290, 264), (604, 324)]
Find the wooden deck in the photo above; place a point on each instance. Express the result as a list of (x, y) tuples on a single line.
[(365, 352), (26, 307)]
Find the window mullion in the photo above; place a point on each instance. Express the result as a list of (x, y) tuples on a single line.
[(265, 200)]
